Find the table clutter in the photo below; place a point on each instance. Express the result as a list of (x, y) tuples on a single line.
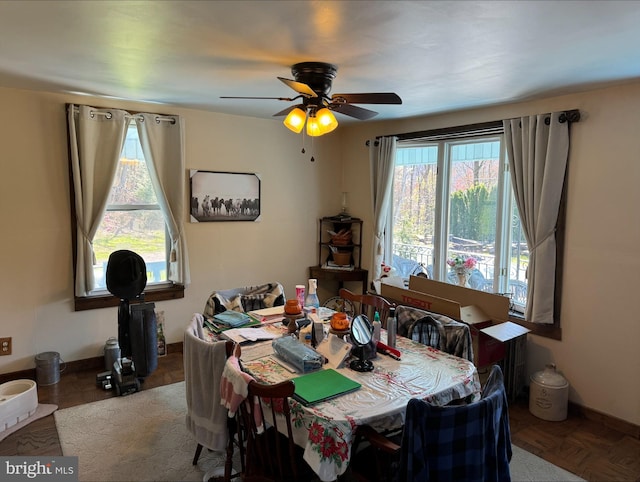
[(326, 429), (347, 370)]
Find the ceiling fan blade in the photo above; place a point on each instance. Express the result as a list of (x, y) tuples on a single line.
[(288, 109), (353, 111), (370, 98), (299, 87), (271, 98)]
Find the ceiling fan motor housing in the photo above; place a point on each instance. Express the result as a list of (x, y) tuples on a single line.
[(317, 75)]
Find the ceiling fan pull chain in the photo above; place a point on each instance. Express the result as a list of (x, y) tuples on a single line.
[(313, 159)]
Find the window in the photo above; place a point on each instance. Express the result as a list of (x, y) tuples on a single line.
[(133, 219), (124, 199), (454, 198)]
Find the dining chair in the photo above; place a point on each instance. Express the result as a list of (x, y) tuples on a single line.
[(428, 331), (367, 304), (246, 298), (469, 442), (455, 336), (271, 454), (206, 418)]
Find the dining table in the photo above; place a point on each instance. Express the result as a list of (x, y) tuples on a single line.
[(326, 430)]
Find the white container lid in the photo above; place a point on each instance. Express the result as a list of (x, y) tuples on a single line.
[(550, 377)]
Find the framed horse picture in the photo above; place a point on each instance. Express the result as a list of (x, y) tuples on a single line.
[(224, 196)]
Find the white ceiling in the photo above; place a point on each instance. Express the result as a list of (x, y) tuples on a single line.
[(437, 56)]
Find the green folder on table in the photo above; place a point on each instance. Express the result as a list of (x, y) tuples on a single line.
[(322, 385)]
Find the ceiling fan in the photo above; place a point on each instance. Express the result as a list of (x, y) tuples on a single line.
[(313, 84)]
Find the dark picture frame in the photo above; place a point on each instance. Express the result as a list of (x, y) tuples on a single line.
[(224, 196)]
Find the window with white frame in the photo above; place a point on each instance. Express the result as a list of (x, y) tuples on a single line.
[(453, 198), (133, 219)]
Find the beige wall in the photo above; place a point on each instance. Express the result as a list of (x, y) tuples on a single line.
[(36, 294), (599, 352)]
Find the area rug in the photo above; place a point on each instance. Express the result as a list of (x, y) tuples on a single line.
[(42, 410), (136, 437), (142, 437)]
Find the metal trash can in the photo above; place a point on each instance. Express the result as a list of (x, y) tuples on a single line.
[(111, 353), (549, 394), (48, 368)]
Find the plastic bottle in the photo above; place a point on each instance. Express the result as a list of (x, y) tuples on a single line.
[(300, 295), (377, 326), (312, 300), (162, 345), (391, 328), (306, 335)]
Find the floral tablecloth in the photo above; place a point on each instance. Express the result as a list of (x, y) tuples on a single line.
[(326, 430)]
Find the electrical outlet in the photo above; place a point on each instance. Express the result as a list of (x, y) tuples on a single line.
[(5, 346)]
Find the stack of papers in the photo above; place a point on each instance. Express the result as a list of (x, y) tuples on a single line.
[(218, 327), (232, 319), (332, 265), (255, 351), (268, 315), (241, 335)]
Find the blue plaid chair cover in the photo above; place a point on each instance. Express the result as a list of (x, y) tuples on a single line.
[(470, 443)]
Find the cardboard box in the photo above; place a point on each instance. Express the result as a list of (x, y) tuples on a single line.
[(485, 313), (402, 296)]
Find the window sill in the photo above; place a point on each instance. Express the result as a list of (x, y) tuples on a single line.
[(173, 292), (548, 331)]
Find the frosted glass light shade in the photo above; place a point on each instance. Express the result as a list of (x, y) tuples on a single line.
[(327, 120), (314, 129), (295, 120)]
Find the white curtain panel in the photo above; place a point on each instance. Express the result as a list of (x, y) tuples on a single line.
[(96, 137), (538, 148), (382, 158), (162, 139)]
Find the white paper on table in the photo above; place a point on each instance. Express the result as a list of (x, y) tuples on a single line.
[(334, 349), (240, 335)]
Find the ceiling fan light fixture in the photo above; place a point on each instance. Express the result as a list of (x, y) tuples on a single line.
[(314, 129), (327, 120), (295, 120)]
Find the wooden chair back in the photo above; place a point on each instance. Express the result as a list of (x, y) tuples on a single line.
[(367, 304), (270, 453)]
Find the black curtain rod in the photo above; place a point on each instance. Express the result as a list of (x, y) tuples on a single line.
[(566, 116), (130, 112)]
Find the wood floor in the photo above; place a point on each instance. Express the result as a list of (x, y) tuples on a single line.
[(585, 447)]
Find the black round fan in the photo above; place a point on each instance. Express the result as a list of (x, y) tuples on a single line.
[(313, 81)]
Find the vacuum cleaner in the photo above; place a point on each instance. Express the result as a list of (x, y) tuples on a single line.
[(126, 278)]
